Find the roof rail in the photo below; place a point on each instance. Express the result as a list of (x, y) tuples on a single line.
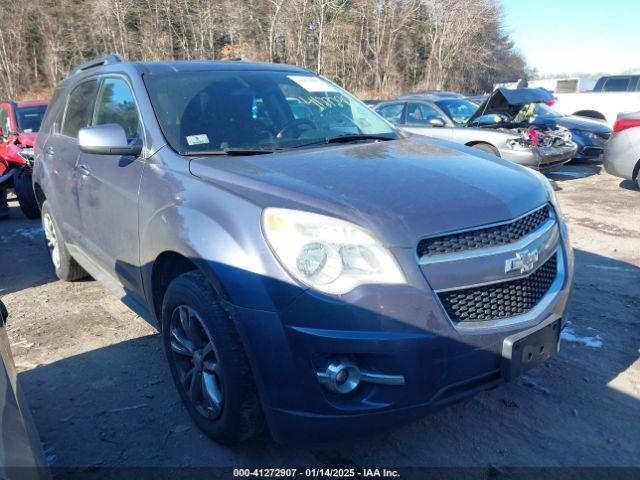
[(97, 62)]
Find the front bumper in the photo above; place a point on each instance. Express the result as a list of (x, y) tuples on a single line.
[(541, 158), (589, 148), (395, 330)]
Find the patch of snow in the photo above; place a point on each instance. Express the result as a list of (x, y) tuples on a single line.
[(31, 233), (569, 335), (531, 382)]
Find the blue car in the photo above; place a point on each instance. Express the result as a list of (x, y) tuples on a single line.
[(310, 268)]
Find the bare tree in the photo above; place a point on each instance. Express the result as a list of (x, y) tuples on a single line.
[(373, 47)]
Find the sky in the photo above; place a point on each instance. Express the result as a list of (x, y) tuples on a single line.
[(573, 36)]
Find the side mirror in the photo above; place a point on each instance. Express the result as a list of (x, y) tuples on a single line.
[(109, 139), (436, 122)]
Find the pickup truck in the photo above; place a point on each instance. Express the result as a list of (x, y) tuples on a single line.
[(611, 95)]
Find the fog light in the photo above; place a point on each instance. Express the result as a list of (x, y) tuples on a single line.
[(341, 377)]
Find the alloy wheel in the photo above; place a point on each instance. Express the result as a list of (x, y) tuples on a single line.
[(52, 239), (197, 362)]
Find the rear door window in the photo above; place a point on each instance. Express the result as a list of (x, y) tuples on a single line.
[(79, 108)]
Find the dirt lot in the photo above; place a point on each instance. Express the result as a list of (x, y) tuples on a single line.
[(101, 394)]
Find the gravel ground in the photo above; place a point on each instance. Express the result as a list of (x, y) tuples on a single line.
[(101, 394)]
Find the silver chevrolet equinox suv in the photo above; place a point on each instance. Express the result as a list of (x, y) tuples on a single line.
[(311, 269)]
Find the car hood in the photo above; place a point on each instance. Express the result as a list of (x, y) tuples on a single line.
[(27, 139), (401, 190), (573, 122), (509, 102)]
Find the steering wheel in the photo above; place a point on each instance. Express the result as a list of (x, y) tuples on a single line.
[(295, 124)]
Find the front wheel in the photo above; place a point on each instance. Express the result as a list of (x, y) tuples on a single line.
[(207, 361), (23, 186)]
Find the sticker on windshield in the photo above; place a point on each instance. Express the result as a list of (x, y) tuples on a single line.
[(312, 84), (197, 139)]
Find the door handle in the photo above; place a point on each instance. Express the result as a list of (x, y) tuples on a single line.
[(84, 170), (49, 152)]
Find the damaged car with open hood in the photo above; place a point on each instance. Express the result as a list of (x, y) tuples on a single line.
[(501, 125)]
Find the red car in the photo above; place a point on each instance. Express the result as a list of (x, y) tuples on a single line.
[(19, 124)]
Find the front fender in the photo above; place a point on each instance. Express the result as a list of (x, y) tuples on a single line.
[(226, 244)]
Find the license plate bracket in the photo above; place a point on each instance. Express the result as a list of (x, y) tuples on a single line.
[(525, 350)]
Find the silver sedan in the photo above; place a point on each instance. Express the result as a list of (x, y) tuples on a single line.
[(622, 154), (447, 119)]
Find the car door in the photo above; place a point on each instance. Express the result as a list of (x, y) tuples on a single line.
[(418, 120), (60, 152), (20, 448), (108, 190)]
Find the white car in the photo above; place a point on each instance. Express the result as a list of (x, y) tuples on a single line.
[(611, 96), (622, 154)]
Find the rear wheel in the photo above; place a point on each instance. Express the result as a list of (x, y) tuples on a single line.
[(64, 264), (23, 186), (485, 147), (207, 360)]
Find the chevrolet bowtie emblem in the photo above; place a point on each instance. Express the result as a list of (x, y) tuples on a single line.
[(524, 262)]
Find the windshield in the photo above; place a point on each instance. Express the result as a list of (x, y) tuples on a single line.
[(214, 111), (30, 118), (542, 110), (459, 110)]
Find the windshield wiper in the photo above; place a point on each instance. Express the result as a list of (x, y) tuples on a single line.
[(227, 151), (345, 139)]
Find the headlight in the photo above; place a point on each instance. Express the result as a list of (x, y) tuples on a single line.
[(551, 193), (328, 254), (26, 153), (592, 136), (518, 144)]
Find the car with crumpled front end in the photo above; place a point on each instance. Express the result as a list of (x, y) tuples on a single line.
[(498, 126), (310, 267), (589, 134), (19, 124)]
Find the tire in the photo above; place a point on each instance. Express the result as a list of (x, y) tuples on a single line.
[(63, 263), (23, 186), (485, 147), (207, 361)]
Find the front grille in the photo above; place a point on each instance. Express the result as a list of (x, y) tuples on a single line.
[(484, 237), (501, 300)]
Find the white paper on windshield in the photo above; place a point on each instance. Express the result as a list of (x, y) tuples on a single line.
[(312, 84), (199, 139)]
